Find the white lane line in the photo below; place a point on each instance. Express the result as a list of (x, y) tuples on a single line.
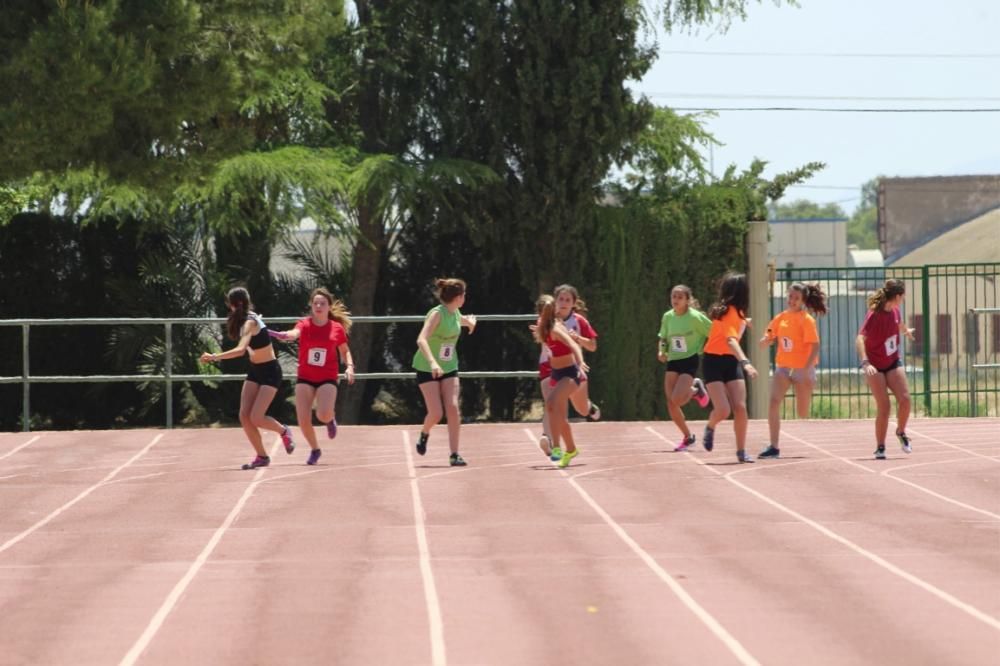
[(713, 625), (175, 594), (885, 564), (52, 516), (785, 433), (18, 448), (953, 446), (438, 657), (888, 473)]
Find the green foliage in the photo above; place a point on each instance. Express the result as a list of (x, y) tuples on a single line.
[(862, 227), (689, 14), (803, 209)]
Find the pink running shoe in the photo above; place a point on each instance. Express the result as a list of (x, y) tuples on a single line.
[(685, 444), (700, 393), (286, 439), (331, 428)]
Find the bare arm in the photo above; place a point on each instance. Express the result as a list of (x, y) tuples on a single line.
[(345, 353), (285, 336), (430, 324), (560, 332), (859, 344), (240, 349), (734, 345), (469, 321), (590, 344)]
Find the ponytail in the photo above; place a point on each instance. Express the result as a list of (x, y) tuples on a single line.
[(890, 290), (812, 296), (238, 299)]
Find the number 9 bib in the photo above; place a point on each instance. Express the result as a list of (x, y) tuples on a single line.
[(316, 356)]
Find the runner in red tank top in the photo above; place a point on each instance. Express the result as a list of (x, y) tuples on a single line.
[(878, 347)]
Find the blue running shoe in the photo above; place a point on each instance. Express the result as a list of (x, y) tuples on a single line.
[(314, 456), (259, 461), (708, 439)]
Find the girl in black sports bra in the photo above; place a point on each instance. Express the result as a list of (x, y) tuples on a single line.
[(263, 378)]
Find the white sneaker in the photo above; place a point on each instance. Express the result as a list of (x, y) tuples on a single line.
[(545, 445)]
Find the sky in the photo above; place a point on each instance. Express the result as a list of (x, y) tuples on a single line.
[(883, 54)]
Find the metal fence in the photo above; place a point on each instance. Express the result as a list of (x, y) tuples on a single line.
[(952, 365), (26, 379)]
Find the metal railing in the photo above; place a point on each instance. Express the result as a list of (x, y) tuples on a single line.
[(168, 377), (951, 366)]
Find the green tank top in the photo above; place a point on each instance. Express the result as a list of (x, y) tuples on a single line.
[(442, 341)]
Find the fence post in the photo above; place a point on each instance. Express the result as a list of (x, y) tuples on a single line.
[(758, 277), (168, 364), (972, 350), (925, 304), (25, 369)]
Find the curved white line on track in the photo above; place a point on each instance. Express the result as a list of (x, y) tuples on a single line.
[(713, 625), (22, 446), (785, 433), (103, 482), (885, 564), (954, 446), (889, 474), (175, 594), (611, 469), (438, 655)]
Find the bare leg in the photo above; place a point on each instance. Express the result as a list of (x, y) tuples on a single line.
[(581, 399), (326, 403), (304, 396), (803, 394), (247, 398), (435, 410), (449, 394), (737, 392), (546, 390), (259, 412), (558, 407), (676, 386), (880, 392), (779, 387), (720, 403), (896, 381)]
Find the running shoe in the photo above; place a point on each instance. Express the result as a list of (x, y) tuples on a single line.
[(259, 461), (286, 439), (594, 414), (686, 443), (700, 393), (422, 443), (770, 452), (314, 456), (744, 457), (456, 460), (567, 456), (708, 439), (880, 453), (331, 428), (545, 445), (904, 442), (557, 454)]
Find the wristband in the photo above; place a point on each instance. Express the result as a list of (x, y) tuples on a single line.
[(744, 363), (865, 362)]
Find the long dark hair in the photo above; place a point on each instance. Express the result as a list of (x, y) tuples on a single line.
[(238, 299), (890, 290), (545, 306), (733, 292), (579, 306), (812, 296)]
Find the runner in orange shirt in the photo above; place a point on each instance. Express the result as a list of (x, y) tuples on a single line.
[(795, 331)]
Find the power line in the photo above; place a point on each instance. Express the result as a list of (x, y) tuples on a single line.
[(820, 98), (817, 54), (830, 109)]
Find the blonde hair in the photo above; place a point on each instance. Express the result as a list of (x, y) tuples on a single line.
[(338, 311), (545, 306)]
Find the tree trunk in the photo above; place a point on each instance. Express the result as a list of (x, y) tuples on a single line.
[(364, 285)]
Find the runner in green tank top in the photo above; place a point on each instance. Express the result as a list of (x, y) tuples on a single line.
[(436, 363)]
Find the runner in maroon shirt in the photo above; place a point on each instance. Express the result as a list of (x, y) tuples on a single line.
[(878, 346)]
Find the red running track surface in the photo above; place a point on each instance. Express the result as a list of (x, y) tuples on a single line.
[(153, 547)]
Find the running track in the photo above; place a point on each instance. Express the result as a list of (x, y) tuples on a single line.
[(152, 547)]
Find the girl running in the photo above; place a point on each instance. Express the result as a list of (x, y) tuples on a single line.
[(683, 331), (436, 363), (570, 308), (262, 380), (322, 343), (878, 347), (798, 353), (568, 371), (724, 362)]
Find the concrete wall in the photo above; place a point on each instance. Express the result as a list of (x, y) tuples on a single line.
[(913, 211), (820, 242)]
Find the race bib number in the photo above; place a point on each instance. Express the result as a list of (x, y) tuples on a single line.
[(446, 353), (787, 344), (678, 343), (316, 356), (891, 345)]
